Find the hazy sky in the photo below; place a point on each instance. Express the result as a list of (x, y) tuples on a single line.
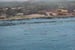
[(13, 0), (40, 0)]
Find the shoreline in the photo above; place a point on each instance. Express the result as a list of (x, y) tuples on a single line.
[(10, 22), (40, 17)]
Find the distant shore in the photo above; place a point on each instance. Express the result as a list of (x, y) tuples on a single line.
[(35, 17)]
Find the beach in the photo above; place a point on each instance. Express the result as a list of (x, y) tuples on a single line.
[(35, 16)]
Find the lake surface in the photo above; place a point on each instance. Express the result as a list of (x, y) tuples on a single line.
[(39, 34)]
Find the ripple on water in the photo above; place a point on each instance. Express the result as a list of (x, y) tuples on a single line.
[(44, 34)]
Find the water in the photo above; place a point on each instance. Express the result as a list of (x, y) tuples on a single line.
[(39, 34)]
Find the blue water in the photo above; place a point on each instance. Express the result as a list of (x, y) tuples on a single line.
[(39, 34)]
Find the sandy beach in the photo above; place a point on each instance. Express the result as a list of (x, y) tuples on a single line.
[(36, 16)]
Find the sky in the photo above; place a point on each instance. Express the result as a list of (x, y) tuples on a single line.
[(13, 0), (37, 0)]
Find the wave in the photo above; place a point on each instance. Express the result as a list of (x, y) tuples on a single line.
[(34, 21)]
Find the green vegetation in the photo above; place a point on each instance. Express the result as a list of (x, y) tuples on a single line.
[(33, 7)]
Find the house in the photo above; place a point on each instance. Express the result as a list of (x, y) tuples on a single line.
[(62, 11), (19, 14)]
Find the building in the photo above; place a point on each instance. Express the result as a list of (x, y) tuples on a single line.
[(62, 11)]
